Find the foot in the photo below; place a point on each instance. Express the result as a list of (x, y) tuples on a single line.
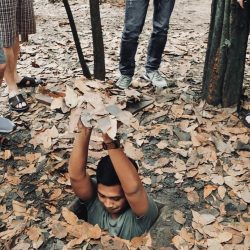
[(156, 79), (17, 101), (124, 82), (19, 105)]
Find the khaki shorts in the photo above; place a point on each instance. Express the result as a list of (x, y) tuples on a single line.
[(2, 57), (16, 17)]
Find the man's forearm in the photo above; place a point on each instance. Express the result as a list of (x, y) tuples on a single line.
[(79, 155), (124, 168), (129, 178), (126, 171)]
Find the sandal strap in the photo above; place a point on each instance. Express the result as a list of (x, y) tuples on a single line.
[(25, 80), (17, 99)]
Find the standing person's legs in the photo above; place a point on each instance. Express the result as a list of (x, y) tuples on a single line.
[(135, 14), (6, 126), (162, 12), (10, 74), (9, 36), (16, 17)]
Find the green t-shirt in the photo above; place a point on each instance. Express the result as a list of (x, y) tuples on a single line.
[(127, 225)]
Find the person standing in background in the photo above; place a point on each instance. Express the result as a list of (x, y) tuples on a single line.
[(135, 14), (6, 126), (16, 18)]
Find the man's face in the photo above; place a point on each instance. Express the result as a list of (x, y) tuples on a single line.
[(112, 198)]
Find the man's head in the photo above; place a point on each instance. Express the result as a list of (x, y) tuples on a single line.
[(109, 188)]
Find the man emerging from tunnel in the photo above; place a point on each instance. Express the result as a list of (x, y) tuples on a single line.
[(116, 200)]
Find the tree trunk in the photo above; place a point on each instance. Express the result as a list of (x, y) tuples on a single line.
[(226, 53), (99, 59)]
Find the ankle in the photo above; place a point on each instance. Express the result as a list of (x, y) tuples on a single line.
[(13, 92)]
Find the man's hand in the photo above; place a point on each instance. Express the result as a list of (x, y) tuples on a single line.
[(82, 128), (241, 3)]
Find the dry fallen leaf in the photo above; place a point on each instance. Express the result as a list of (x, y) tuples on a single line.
[(245, 195), (179, 217), (55, 194), (58, 230), (162, 144), (193, 196), (206, 219), (6, 155), (224, 237), (132, 152), (71, 98), (19, 208), (141, 241), (69, 216), (222, 191), (208, 189), (147, 180), (203, 219), (95, 232), (180, 243), (13, 180), (34, 233), (57, 103)]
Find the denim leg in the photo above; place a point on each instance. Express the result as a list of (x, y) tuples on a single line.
[(162, 12), (135, 14)]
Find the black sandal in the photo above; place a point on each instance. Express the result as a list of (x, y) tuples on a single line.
[(27, 82), (18, 99)]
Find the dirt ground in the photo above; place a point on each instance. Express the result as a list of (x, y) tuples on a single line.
[(194, 159)]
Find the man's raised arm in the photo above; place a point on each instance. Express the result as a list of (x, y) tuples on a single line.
[(130, 181), (80, 180)]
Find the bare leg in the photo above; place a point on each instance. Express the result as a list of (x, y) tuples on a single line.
[(2, 68), (10, 74), (16, 50)]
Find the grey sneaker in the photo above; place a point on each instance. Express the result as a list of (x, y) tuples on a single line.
[(156, 79), (124, 82)]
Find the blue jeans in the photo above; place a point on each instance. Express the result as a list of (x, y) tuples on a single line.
[(135, 14)]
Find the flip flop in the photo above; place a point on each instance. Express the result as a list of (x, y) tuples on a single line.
[(15, 100), (6, 125), (27, 82)]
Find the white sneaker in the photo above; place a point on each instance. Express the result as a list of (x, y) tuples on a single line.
[(157, 79), (124, 82)]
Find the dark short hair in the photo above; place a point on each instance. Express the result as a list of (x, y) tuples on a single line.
[(105, 172)]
